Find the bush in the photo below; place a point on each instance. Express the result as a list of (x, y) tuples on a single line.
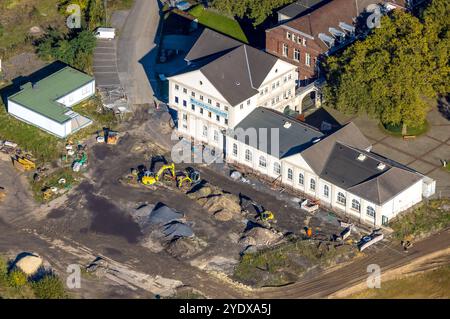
[(49, 287), (17, 278)]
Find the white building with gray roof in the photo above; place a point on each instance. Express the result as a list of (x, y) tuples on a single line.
[(337, 169), (231, 97), (224, 80)]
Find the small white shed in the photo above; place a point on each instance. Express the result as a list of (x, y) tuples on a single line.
[(105, 33)]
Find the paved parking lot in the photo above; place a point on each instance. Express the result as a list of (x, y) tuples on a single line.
[(424, 153), (105, 64)]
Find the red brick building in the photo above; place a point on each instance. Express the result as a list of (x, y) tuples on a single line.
[(308, 29)]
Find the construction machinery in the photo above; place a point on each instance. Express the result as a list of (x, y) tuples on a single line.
[(188, 178), (111, 137), (151, 178), (24, 164)]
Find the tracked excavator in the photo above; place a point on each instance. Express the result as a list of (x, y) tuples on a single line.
[(188, 178), (151, 178)]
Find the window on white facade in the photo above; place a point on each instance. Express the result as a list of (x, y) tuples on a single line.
[(177, 87), (184, 103), (185, 90), (176, 99), (307, 59), (301, 179), (201, 110), (285, 49), (235, 149), (248, 155), (209, 101), (341, 198), (226, 121), (296, 55), (312, 184), (85, 90), (216, 136), (201, 97), (185, 117), (277, 168), (217, 118), (218, 105), (262, 161), (248, 102), (193, 94), (290, 174), (193, 107), (356, 205), (370, 211), (266, 90), (326, 190), (241, 106), (209, 114), (205, 131), (226, 108)]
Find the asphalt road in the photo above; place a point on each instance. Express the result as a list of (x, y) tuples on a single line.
[(135, 51)]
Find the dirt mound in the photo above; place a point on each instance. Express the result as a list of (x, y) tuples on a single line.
[(260, 237), (223, 215), (223, 205), (29, 264), (185, 247)]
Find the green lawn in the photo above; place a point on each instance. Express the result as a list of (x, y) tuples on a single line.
[(432, 284), (43, 146), (425, 219), (396, 130), (218, 22), (19, 16)]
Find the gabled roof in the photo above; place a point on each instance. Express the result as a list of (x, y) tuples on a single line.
[(292, 138), (235, 69), (317, 155), (209, 43), (41, 96), (363, 177)]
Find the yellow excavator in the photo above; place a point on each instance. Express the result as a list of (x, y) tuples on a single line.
[(190, 177), (151, 178)]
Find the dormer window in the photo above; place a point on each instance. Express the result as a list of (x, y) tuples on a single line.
[(288, 35), (361, 157), (381, 166)]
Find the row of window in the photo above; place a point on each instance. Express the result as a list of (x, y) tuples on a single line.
[(201, 97), (275, 84), (301, 180), (201, 111), (296, 55), (296, 38)]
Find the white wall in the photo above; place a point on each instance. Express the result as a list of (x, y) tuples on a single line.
[(409, 197), (78, 95), (31, 117)]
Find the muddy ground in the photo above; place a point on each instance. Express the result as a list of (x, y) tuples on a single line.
[(94, 219)]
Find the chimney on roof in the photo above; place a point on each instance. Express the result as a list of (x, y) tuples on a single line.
[(34, 85)]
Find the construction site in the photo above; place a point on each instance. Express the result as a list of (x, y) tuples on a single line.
[(121, 195)]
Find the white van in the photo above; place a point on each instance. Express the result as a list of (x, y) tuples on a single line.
[(105, 33)]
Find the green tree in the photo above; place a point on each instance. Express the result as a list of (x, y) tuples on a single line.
[(437, 22), (49, 287), (95, 14), (75, 50), (256, 10), (386, 75)]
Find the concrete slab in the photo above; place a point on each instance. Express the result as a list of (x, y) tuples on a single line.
[(418, 146), (441, 153), (441, 133), (435, 117), (103, 69), (392, 153), (369, 127), (421, 166)]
